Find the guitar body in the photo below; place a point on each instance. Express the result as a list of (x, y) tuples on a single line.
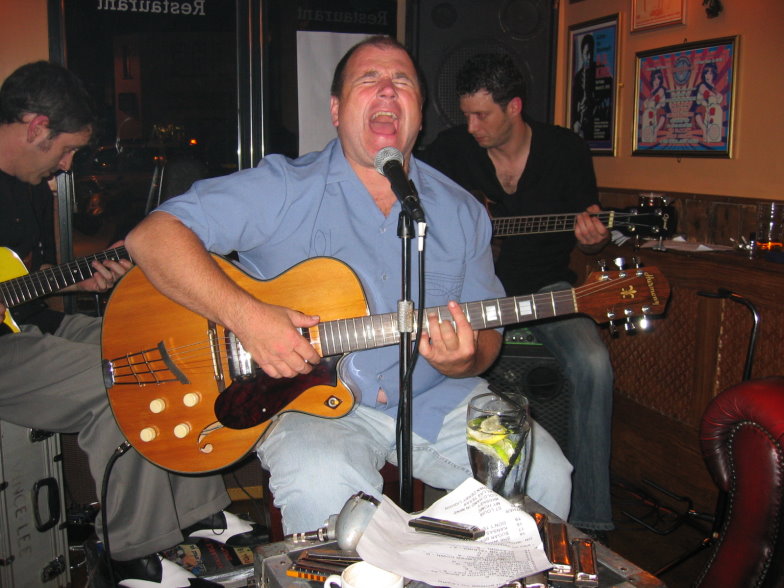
[(10, 267), (168, 373)]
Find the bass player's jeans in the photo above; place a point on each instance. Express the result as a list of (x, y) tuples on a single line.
[(585, 361)]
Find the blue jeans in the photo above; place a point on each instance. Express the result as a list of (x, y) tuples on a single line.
[(316, 464), (585, 361)]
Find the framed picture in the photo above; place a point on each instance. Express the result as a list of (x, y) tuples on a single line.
[(649, 14), (685, 99), (593, 71)]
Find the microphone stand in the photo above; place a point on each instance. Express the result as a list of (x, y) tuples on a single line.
[(405, 321)]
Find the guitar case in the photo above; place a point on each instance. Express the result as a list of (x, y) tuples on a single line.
[(33, 536)]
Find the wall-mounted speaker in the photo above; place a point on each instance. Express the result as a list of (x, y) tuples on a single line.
[(531, 370), (442, 34)]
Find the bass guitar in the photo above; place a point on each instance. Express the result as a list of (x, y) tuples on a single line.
[(17, 286), (189, 398)]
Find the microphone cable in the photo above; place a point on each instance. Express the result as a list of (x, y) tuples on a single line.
[(118, 452)]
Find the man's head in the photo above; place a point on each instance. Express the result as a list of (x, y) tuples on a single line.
[(586, 49), (495, 73), (492, 95), (376, 100), (51, 116)]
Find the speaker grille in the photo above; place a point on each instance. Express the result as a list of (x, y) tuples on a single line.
[(443, 34), (531, 371)]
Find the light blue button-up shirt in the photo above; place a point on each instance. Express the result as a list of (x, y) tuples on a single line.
[(285, 211)]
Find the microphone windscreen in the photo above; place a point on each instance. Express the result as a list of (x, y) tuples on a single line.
[(386, 155)]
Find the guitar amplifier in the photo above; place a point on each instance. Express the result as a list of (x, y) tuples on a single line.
[(527, 368), (33, 538)]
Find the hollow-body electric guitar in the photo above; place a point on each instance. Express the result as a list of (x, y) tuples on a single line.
[(18, 287), (189, 398)]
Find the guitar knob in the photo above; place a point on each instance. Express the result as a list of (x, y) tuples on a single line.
[(182, 430), (157, 405), (148, 434), (191, 399)]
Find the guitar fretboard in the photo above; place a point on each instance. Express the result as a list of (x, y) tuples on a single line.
[(369, 332), (507, 226), (31, 286)]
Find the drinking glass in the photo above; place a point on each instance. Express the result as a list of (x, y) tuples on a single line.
[(498, 434), (770, 225)]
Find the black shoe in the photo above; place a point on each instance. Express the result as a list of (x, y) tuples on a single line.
[(151, 570), (597, 535), (227, 528)]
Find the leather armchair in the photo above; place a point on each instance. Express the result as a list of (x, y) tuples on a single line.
[(741, 439)]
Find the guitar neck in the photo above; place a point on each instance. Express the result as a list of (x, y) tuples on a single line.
[(43, 282), (369, 332), (509, 226)]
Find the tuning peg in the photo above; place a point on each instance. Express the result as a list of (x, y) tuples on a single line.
[(645, 323), (629, 325), (613, 329), (619, 262), (636, 262), (602, 265)]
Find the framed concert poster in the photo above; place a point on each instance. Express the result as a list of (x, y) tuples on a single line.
[(593, 69), (685, 99), (650, 15)]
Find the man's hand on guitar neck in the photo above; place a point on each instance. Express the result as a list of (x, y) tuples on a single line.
[(458, 351), (106, 274), (591, 234)]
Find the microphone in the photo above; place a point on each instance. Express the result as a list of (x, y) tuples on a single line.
[(347, 526), (389, 163)]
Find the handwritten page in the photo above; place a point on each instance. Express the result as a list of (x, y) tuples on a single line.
[(511, 548)]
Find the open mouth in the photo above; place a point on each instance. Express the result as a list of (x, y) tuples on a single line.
[(384, 122)]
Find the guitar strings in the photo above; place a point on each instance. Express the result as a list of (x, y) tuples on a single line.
[(197, 356)]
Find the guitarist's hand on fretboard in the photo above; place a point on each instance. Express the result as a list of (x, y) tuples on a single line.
[(590, 232), (454, 348), (105, 276)]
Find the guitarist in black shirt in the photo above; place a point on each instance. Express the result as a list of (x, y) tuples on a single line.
[(51, 369), (524, 167)]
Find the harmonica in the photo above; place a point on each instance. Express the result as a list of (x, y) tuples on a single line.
[(446, 528), (586, 572), (559, 552)]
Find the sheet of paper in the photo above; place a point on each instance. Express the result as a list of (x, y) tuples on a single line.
[(680, 244), (511, 548)]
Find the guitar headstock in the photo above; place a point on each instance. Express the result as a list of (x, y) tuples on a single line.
[(646, 220), (608, 296)]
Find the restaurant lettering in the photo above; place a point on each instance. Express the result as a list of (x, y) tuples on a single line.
[(194, 7), (379, 18)]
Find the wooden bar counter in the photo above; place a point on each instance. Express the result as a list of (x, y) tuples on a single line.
[(665, 377)]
